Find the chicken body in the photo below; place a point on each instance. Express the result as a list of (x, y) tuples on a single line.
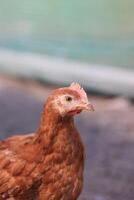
[(46, 165), (31, 169)]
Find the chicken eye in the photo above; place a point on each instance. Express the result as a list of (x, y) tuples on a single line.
[(68, 98)]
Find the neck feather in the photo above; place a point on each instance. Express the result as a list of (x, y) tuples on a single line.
[(50, 124)]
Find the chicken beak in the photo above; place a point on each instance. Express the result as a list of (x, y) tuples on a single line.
[(89, 107), (86, 106)]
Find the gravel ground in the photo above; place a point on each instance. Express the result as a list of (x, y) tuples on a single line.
[(108, 135)]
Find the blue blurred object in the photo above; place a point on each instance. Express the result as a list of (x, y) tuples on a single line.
[(99, 31)]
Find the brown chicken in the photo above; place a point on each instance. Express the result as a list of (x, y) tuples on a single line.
[(47, 165)]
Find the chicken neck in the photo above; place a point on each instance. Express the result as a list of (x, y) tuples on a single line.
[(52, 125)]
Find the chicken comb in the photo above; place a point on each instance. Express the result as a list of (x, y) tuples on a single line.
[(79, 89)]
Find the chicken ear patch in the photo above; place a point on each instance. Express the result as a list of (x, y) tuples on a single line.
[(79, 89)]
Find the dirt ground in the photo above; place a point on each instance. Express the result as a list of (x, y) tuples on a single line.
[(108, 135)]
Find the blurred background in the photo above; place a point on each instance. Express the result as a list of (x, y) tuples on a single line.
[(46, 44)]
